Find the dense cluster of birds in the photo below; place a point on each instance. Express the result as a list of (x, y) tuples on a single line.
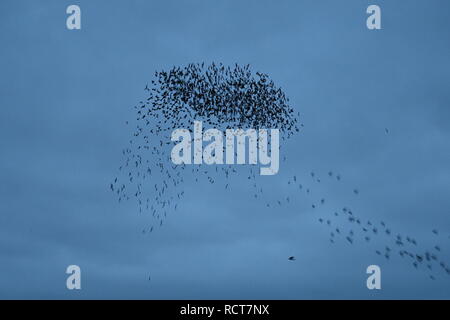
[(222, 97), (225, 97)]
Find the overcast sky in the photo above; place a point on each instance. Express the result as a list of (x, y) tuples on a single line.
[(65, 96)]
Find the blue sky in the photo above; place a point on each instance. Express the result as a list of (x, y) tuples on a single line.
[(65, 96)]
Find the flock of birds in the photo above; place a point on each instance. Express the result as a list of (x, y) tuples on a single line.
[(233, 97), (221, 97)]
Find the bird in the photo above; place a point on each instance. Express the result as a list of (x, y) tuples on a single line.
[(291, 258)]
